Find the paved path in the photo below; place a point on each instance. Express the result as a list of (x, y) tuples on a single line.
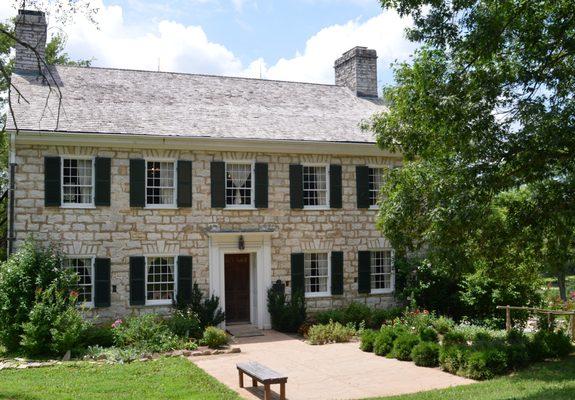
[(335, 371)]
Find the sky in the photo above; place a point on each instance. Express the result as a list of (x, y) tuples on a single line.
[(296, 40)]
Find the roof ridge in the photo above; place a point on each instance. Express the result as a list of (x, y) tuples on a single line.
[(206, 75)]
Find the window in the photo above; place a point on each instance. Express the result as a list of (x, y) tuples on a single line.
[(315, 186), (381, 271), (316, 274), (160, 183), (77, 181), (84, 267), (375, 183), (239, 185), (160, 282)]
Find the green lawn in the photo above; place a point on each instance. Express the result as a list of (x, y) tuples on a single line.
[(169, 378), (544, 381)]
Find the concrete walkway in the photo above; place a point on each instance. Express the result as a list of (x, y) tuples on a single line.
[(335, 371)]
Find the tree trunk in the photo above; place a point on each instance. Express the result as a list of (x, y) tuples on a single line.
[(561, 281)]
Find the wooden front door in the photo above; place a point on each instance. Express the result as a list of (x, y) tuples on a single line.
[(237, 277)]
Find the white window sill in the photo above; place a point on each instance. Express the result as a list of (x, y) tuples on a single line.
[(317, 208), (374, 207), (158, 302), (161, 207), (88, 306), (315, 295), (240, 208), (381, 291), (79, 206)]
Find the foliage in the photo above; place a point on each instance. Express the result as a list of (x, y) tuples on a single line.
[(548, 344), (442, 325), (215, 338), (380, 316), (428, 334), (367, 339), (147, 332), (55, 54), (95, 335), (517, 348), (207, 309), (185, 324), (403, 345), (383, 343), (485, 363), (452, 357), (286, 315), (426, 354), (118, 355), (332, 332), (358, 313)]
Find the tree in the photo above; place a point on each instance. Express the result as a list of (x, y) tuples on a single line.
[(483, 115)]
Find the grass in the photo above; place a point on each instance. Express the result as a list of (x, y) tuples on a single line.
[(167, 378), (554, 380)]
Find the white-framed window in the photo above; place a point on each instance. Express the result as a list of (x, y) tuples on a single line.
[(84, 268), (382, 271), (160, 280), (315, 186), (239, 184), (317, 274), (160, 183), (77, 182), (375, 184)]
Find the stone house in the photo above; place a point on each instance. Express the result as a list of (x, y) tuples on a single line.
[(150, 181)]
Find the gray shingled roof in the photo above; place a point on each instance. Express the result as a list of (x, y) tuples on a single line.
[(101, 100)]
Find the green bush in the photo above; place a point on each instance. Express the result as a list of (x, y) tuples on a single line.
[(485, 363), (357, 314), (207, 310), (286, 316), (426, 354), (442, 325), (23, 277), (517, 349), (147, 332), (383, 343), (54, 326), (428, 335), (367, 340), (380, 316), (559, 344), (332, 332), (452, 358), (185, 324), (453, 337), (215, 338), (546, 344), (323, 317), (403, 345), (101, 336)]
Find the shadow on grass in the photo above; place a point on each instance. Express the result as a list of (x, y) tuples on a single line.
[(17, 396)]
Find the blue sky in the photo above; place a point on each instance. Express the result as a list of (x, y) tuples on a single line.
[(287, 40)]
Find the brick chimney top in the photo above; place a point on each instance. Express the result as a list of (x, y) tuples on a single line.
[(357, 70), (31, 28)]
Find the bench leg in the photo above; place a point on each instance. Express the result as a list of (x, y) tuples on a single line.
[(282, 391), (268, 392), (241, 378), (254, 382)]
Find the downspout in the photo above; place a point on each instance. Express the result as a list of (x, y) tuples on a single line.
[(12, 167)]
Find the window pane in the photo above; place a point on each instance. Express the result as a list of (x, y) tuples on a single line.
[(76, 181), (314, 186), (160, 183), (160, 278), (381, 269), (375, 183), (238, 184), (83, 267), (316, 272)]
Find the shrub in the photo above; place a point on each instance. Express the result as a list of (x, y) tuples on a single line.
[(114, 354), (356, 313), (428, 335), (486, 363), (54, 326), (517, 349), (286, 316), (215, 338), (443, 325), (26, 274), (367, 340), (403, 345), (452, 358), (208, 310), (94, 335), (185, 324), (323, 317), (538, 347), (418, 320), (332, 332), (454, 337), (381, 316), (147, 332), (426, 354), (383, 343), (559, 344)]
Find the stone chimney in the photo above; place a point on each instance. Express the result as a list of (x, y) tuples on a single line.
[(357, 70), (31, 28)]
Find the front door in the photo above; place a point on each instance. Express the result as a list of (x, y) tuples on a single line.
[(237, 280)]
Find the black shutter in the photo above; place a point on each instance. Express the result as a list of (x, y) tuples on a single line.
[(102, 282), (297, 274), (137, 281), (296, 186), (184, 183), (137, 183), (362, 186), (364, 271), (261, 178), (103, 175), (335, 186), (218, 176), (184, 280), (336, 272), (52, 181)]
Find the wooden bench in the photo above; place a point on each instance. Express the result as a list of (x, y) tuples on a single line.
[(264, 375)]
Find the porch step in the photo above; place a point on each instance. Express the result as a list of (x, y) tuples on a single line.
[(247, 330)]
